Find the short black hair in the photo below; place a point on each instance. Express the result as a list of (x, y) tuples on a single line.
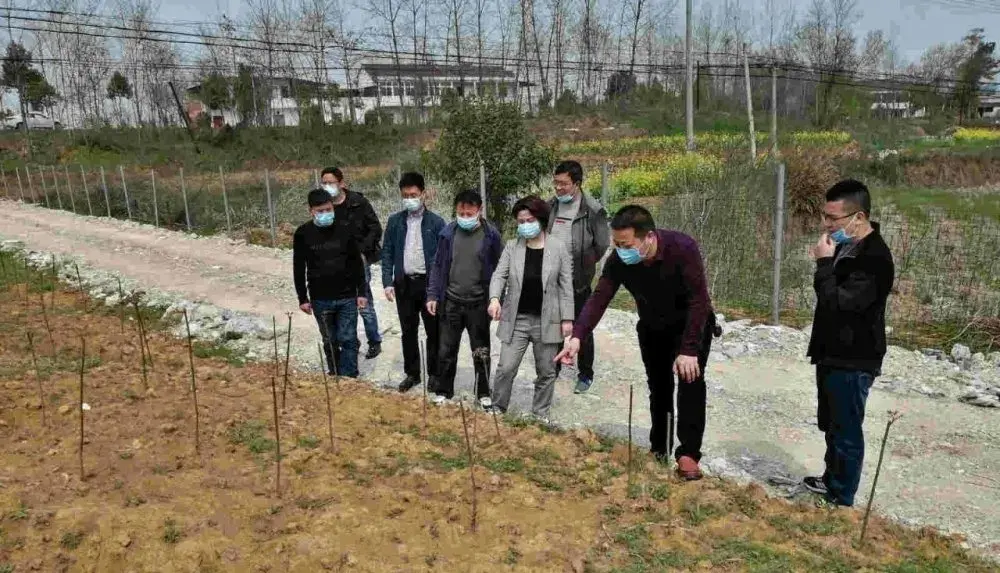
[(534, 204), (318, 197), (853, 193), (411, 179), (335, 171), (469, 197), (633, 217), (571, 168)]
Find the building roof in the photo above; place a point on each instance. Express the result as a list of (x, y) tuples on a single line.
[(196, 88), (436, 70)]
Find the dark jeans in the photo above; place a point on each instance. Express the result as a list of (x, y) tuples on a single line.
[(659, 350), (584, 358), (454, 318), (338, 326), (411, 295), (841, 415), (368, 313)]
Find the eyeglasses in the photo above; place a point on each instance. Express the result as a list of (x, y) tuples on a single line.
[(830, 219)]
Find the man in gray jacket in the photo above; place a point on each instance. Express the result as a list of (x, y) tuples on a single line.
[(580, 221)]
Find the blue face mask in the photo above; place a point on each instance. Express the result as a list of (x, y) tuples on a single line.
[(411, 204), (840, 236), (333, 190), (323, 219), (467, 223), (629, 256), (568, 198), (529, 230)]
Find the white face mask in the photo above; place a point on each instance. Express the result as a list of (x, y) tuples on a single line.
[(332, 188)]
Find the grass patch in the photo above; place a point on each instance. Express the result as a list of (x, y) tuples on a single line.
[(308, 442), (660, 491), (171, 532), (505, 465), (635, 538), (251, 434), (232, 357), (71, 540), (696, 513), (446, 463), (20, 513), (752, 556), (444, 438)]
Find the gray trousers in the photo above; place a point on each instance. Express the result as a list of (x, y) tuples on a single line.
[(527, 328)]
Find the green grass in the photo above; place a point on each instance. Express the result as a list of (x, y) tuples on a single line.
[(917, 203), (309, 442), (207, 350), (251, 434), (752, 556), (6, 568), (71, 540), (446, 463), (171, 532), (19, 514), (444, 438), (696, 513), (504, 465), (635, 538)]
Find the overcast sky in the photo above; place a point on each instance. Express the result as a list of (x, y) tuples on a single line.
[(914, 24)]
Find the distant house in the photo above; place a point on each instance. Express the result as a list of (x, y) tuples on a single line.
[(279, 106), (989, 107), (890, 103), (412, 88)]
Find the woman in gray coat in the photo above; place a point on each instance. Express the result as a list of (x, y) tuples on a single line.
[(534, 281)]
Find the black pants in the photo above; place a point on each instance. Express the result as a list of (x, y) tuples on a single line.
[(584, 358), (659, 350), (456, 317), (411, 296)]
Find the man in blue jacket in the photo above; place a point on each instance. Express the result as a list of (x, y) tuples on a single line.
[(411, 240), (467, 254)]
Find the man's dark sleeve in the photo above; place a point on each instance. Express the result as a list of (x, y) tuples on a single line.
[(595, 307), (299, 267), (388, 246), (696, 290), (435, 289), (856, 294), (373, 231), (359, 272)]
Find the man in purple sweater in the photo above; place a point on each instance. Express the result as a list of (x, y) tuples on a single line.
[(663, 272)]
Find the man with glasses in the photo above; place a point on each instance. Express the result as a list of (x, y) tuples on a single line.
[(854, 276)]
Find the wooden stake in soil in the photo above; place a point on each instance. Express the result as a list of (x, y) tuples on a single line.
[(274, 331), (288, 354), (79, 282), (121, 304), (142, 344), (55, 182), (893, 418), (670, 434), (69, 187), (326, 388), (472, 469), (142, 331), (424, 377), (38, 377), (194, 386), (83, 358), (277, 438), (86, 192), (630, 393)]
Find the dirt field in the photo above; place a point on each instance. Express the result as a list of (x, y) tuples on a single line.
[(391, 492)]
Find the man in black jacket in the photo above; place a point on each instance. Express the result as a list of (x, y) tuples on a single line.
[(355, 209), (330, 281), (854, 275)]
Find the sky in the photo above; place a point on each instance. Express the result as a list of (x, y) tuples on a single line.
[(913, 24)]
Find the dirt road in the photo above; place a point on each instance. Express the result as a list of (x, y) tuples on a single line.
[(943, 455)]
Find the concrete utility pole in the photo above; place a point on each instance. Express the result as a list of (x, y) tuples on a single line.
[(746, 80), (690, 79), (774, 111)]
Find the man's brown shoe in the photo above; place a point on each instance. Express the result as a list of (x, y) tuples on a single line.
[(688, 469)]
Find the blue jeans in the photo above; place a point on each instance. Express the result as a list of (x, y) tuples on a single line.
[(338, 326), (368, 313), (841, 415)]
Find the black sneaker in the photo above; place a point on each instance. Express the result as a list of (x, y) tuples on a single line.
[(374, 349), (815, 484), (408, 383)]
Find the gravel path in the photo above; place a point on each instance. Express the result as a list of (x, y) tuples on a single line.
[(944, 456)]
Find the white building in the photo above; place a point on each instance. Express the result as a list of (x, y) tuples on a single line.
[(989, 107), (890, 103), (418, 88), (278, 107)]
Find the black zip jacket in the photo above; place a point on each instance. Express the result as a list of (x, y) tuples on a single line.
[(367, 230), (852, 288), (327, 263)]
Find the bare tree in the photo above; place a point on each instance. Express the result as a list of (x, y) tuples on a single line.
[(387, 11), (268, 21)]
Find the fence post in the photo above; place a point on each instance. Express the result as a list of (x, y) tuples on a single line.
[(107, 196), (128, 203), (86, 191), (225, 201), (779, 236), (20, 188), (315, 178), (45, 190), (156, 205), (6, 190), (605, 184), (270, 208), (31, 188), (482, 185), (55, 183), (187, 213), (69, 187)]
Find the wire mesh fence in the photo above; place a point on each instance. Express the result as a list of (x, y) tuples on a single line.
[(947, 271)]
